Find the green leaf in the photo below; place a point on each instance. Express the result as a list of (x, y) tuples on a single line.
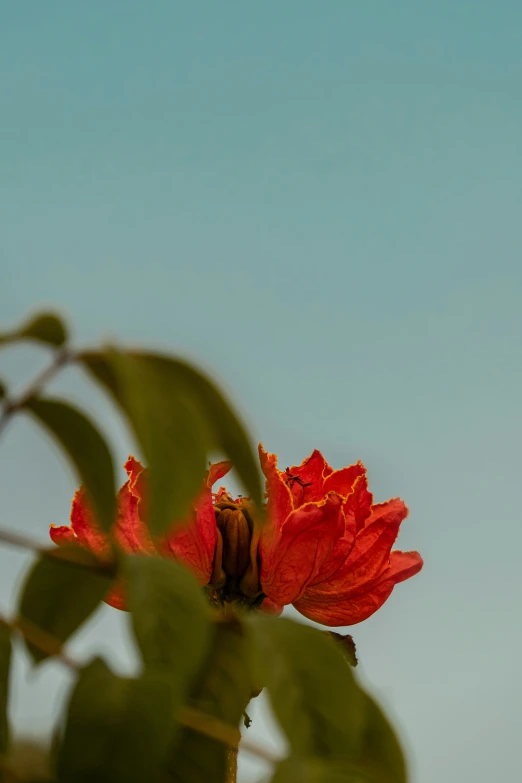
[(311, 686), (58, 596), (179, 418), (168, 429), (86, 449), (223, 692), (117, 729), (346, 645), (380, 748), (306, 769), (170, 617), (229, 433), (336, 731), (45, 328), (5, 664)]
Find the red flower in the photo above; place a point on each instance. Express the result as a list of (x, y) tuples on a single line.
[(326, 548)]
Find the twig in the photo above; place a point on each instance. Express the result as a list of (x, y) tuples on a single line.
[(77, 555), (44, 641), (223, 732), (61, 358), (21, 541)]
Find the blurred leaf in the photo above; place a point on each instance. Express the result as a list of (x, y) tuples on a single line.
[(169, 430), (86, 449), (306, 769), (346, 645), (223, 692), (3, 391), (374, 757), (170, 617), (58, 596), (118, 730), (311, 686), (45, 328), (229, 434), (380, 746), (5, 664), (179, 418)]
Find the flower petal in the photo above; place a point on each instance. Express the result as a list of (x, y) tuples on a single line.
[(358, 504), (356, 509), (130, 531), (136, 473), (337, 558), (306, 480), (195, 542), (62, 535), (338, 611), (403, 565), (115, 598), (279, 504), (294, 555), (85, 526), (217, 471), (370, 553), (342, 481)]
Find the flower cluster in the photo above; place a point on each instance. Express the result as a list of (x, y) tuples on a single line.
[(325, 546)]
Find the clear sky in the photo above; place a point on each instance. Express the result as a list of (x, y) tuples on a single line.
[(321, 202)]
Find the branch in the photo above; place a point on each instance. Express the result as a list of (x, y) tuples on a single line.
[(45, 642), (61, 358), (223, 732)]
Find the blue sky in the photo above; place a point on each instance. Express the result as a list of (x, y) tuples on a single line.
[(319, 203)]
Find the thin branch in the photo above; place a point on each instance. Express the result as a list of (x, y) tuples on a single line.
[(76, 555), (61, 358), (212, 727), (223, 732), (44, 641), (21, 541)]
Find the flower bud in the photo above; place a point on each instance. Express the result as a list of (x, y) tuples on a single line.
[(236, 533)]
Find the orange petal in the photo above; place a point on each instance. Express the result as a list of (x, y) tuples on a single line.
[(294, 555), (115, 598), (358, 504), (403, 565), (356, 508), (369, 556), (279, 504), (338, 557), (130, 531), (217, 471), (62, 535), (85, 526), (338, 611), (310, 474), (195, 542), (134, 470), (342, 481)]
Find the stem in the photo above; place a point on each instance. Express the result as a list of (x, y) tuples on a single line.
[(73, 554), (21, 541), (231, 776), (45, 642), (61, 358)]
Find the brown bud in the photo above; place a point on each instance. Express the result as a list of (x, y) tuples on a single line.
[(236, 534)]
